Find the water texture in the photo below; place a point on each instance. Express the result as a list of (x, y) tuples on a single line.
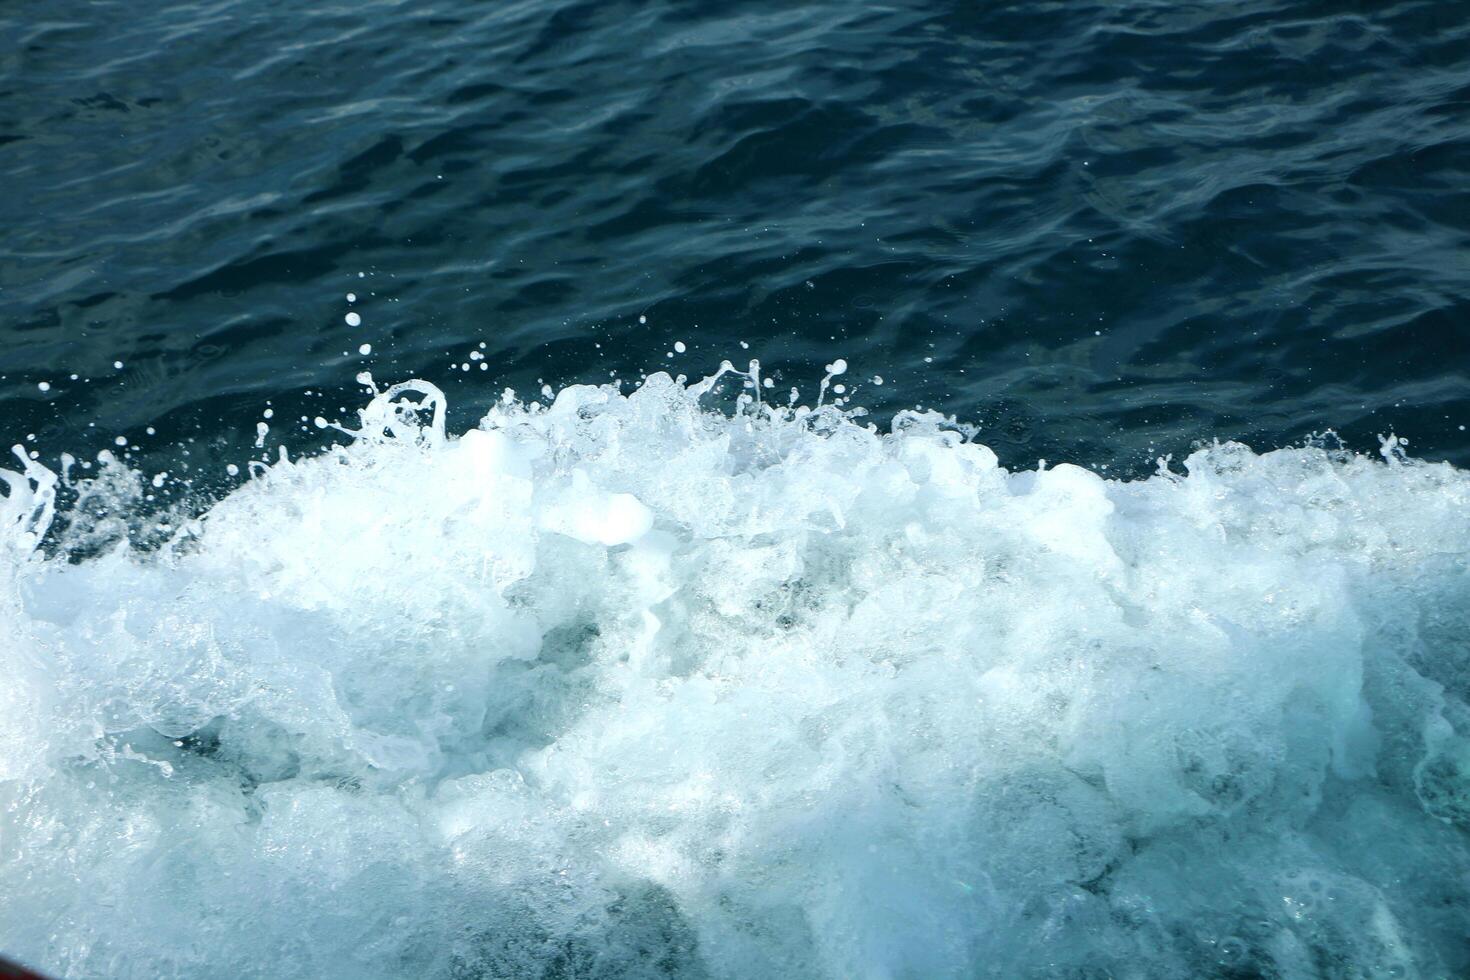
[(1115, 228), (626, 687), (307, 673)]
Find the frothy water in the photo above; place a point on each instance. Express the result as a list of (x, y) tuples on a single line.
[(631, 686)]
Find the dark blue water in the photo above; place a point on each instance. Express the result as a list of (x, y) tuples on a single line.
[(1102, 231)]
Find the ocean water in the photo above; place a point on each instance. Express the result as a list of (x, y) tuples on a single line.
[(1067, 574)]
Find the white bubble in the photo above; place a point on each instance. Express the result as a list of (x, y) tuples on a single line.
[(620, 679), (679, 346), (353, 319), (365, 349), (352, 297), (117, 365), (44, 385)]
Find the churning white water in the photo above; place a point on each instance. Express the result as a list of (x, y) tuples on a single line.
[(625, 686)]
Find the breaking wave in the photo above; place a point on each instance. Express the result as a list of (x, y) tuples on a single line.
[(633, 686)]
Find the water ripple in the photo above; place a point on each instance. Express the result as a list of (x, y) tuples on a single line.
[(1103, 231)]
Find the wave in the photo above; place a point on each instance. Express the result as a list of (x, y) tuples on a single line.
[(631, 685)]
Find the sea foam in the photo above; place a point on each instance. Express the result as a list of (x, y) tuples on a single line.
[(629, 686)]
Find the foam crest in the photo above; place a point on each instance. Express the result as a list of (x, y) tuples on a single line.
[(624, 685)]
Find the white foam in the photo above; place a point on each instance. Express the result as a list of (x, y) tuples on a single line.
[(621, 686)]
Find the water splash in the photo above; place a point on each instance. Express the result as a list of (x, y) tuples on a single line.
[(621, 685)]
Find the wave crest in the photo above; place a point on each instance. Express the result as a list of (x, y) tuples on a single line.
[(626, 686)]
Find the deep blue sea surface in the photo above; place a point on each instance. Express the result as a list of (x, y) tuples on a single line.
[(653, 680), (1101, 231)]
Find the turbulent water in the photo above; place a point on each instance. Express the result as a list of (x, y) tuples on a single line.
[(628, 676), (662, 684)]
